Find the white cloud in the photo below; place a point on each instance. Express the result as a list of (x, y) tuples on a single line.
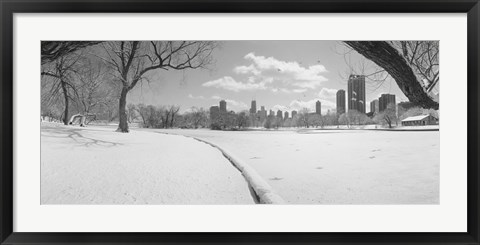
[(273, 74), (328, 93), (231, 104), (229, 83), (310, 105), (246, 70), (195, 97), (307, 84), (289, 91), (280, 107), (236, 104), (299, 90), (290, 73)]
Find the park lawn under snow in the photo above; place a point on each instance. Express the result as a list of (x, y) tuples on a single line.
[(339, 166), (96, 165)]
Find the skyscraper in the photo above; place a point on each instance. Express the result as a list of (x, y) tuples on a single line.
[(356, 93), (279, 114), (272, 113), (223, 106), (385, 100), (340, 102), (286, 115), (374, 106), (294, 113), (263, 113), (318, 107), (253, 108), (214, 110)]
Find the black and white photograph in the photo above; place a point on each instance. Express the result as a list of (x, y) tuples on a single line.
[(223, 122)]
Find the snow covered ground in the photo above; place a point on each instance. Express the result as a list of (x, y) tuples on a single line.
[(338, 166), (96, 165)]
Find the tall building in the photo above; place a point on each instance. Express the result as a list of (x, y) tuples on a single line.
[(253, 107), (214, 111), (318, 107), (385, 100), (279, 114), (340, 102), (374, 106), (272, 113), (263, 113), (356, 93), (294, 113), (285, 115), (223, 106)]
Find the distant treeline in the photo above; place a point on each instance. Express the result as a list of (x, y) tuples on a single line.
[(150, 116)]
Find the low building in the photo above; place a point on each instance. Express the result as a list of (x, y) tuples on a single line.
[(420, 120)]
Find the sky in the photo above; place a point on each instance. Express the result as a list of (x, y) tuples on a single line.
[(285, 75)]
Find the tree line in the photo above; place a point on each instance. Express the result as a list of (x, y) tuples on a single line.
[(150, 116)]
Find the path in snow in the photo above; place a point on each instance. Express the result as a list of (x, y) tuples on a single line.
[(99, 166), (263, 192), (338, 166)]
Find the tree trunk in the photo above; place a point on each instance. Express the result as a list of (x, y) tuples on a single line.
[(387, 57), (65, 95), (165, 123), (122, 112), (171, 120)]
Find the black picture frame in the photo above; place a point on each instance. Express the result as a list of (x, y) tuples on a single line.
[(9, 7)]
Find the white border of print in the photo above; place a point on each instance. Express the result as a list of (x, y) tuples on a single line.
[(449, 216)]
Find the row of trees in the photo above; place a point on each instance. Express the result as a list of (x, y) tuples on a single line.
[(236, 121), (150, 116)]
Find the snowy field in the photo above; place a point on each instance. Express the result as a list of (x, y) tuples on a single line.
[(338, 166), (96, 165)]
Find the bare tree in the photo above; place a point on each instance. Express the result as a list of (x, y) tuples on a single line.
[(344, 120), (133, 60), (165, 117), (315, 120), (197, 117), (53, 50), (93, 89), (387, 116), (423, 57), (143, 112), (413, 66), (303, 118), (131, 112), (173, 110), (62, 72), (242, 119)]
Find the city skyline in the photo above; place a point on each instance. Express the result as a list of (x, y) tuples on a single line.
[(355, 85), (356, 95), (285, 75)]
